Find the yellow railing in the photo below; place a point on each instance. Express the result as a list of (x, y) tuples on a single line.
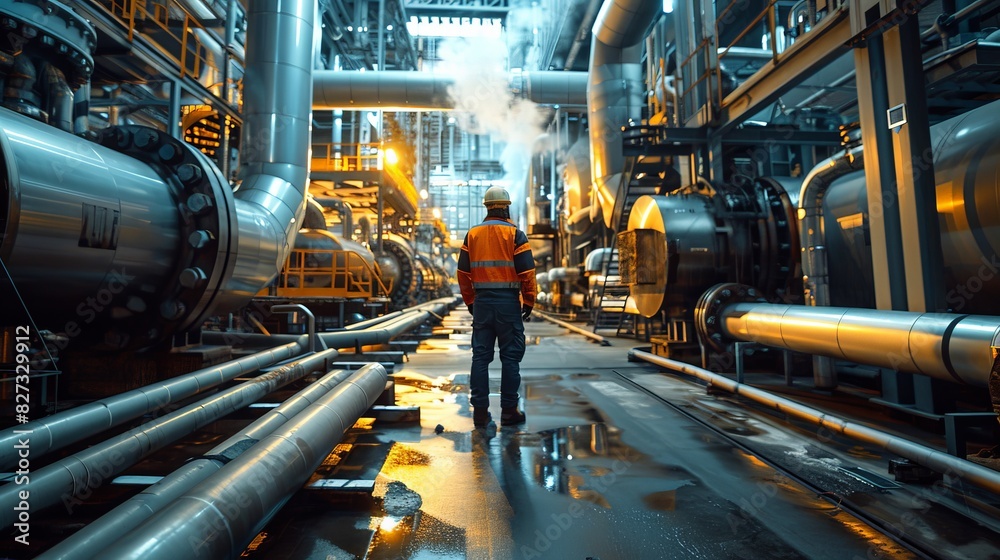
[(329, 273), (165, 18), (345, 157)]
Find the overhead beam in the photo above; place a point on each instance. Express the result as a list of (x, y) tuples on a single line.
[(817, 48)]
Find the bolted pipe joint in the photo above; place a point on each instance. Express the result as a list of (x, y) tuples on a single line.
[(708, 312)]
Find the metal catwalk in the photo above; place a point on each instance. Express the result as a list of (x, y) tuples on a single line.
[(618, 459)]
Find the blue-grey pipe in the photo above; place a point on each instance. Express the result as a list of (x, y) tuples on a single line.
[(72, 480), (104, 531), (275, 143), (220, 516), (397, 90), (59, 430)]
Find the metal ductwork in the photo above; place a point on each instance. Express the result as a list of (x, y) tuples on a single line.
[(275, 142), (420, 91), (147, 224), (615, 92)]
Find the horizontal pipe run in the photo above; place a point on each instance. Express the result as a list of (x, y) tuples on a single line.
[(394, 90), (222, 514), (59, 430), (72, 479), (576, 329), (940, 345), (104, 531), (344, 338), (362, 325), (931, 458)]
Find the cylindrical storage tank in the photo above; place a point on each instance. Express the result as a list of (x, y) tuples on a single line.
[(967, 173), (845, 225)]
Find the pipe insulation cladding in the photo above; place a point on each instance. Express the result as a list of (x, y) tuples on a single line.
[(119, 244), (615, 92)]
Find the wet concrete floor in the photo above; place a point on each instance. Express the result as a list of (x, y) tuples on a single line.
[(601, 470)]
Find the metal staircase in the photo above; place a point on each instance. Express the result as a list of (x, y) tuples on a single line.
[(643, 178), (612, 295)]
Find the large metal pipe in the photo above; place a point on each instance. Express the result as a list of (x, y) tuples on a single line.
[(277, 89), (815, 277), (156, 242), (931, 458), (394, 90), (104, 531), (615, 91), (220, 516), (64, 428), (945, 346), (71, 480)]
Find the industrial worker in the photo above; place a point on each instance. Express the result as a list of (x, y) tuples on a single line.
[(496, 273)]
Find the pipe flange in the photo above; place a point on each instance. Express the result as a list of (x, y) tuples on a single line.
[(66, 38), (206, 217), (708, 312), (784, 275)]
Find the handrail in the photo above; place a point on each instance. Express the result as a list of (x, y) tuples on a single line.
[(348, 275), (345, 157), (717, 97), (131, 12)]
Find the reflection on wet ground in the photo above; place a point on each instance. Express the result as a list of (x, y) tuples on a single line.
[(601, 470)]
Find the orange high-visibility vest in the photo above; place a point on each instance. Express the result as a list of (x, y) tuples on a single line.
[(496, 256)]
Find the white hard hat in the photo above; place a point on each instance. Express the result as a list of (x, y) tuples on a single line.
[(496, 196)]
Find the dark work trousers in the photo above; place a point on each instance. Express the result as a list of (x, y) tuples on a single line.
[(496, 316)]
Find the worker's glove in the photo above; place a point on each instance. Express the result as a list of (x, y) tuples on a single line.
[(470, 308), (525, 311)]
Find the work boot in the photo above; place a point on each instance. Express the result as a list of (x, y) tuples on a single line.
[(481, 416), (511, 417)]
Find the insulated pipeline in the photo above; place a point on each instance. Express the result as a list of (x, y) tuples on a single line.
[(945, 346), (220, 516), (59, 430), (615, 91), (72, 479), (103, 532)]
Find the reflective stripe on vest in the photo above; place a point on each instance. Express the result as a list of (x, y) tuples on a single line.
[(496, 285)]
